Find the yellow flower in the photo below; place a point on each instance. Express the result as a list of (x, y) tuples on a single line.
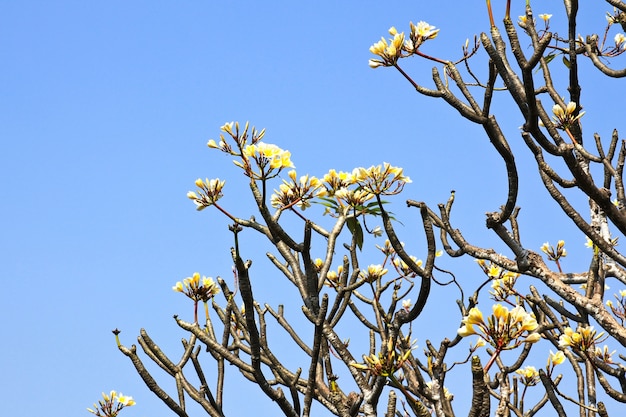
[(267, 157), (381, 179), (111, 404), (197, 288), (126, 401), (228, 128), (297, 191), (494, 271), (504, 330), (545, 17), (604, 354), (208, 193), (466, 330), (583, 339), (564, 117), (373, 273), (474, 316), (529, 375), (404, 267), (533, 338), (420, 33), (556, 358), (389, 52), (354, 198), (500, 312)]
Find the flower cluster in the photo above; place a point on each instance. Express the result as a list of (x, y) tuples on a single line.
[(503, 281), (583, 339), (504, 329), (619, 309), (373, 273), (298, 191), (420, 33), (555, 254), (209, 191), (334, 181), (111, 404), (355, 198), (384, 365), (269, 158), (403, 268), (528, 375), (381, 179), (240, 138), (196, 288), (389, 52), (564, 117)]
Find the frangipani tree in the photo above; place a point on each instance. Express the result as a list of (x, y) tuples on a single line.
[(340, 281)]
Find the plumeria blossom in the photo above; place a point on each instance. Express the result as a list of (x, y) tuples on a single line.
[(554, 253), (404, 269), (373, 273), (197, 288), (555, 359), (529, 375), (504, 329), (505, 286), (620, 41), (334, 181), (583, 339), (388, 52), (269, 159), (332, 277), (353, 198), (564, 117), (111, 404), (619, 309), (503, 281), (209, 191), (384, 365), (420, 33), (545, 17), (604, 355), (381, 179), (240, 137), (298, 191)]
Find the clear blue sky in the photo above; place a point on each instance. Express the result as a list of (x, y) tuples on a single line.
[(105, 111)]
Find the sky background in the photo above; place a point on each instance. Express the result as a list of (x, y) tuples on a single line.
[(105, 112)]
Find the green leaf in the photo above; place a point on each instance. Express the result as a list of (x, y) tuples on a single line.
[(566, 62), (357, 231), (548, 58)]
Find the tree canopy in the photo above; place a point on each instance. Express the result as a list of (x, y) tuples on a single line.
[(543, 340)]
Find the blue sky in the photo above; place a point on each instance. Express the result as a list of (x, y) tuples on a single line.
[(105, 111)]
